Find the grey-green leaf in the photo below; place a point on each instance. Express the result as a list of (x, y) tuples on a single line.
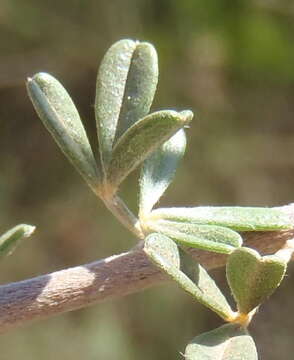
[(10, 239), (165, 254), (60, 116), (206, 237), (140, 140), (126, 85), (253, 278), (228, 342), (237, 218), (204, 282), (158, 171)]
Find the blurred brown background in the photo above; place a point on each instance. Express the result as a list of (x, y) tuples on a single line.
[(232, 63)]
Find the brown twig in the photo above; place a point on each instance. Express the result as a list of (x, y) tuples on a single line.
[(116, 276)]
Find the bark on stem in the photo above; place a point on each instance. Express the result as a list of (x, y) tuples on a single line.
[(116, 276)]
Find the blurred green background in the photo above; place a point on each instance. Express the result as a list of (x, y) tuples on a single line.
[(232, 63)]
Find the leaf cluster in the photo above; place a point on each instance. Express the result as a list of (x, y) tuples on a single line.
[(130, 136)]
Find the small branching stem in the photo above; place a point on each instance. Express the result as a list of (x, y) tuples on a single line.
[(120, 210)]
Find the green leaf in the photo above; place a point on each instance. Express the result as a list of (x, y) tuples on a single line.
[(206, 237), (228, 342), (60, 116), (10, 239), (165, 254), (140, 140), (204, 282), (253, 278), (126, 85), (237, 218), (158, 171)]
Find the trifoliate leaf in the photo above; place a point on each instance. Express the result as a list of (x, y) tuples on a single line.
[(165, 254), (12, 237), (158, 171), (126, 83), (206, 237), (253, 278), (141, 139), (237, 218), (228, 342), (60, 116)]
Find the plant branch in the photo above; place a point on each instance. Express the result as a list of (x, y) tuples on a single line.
[(113, 277), (119, 209)]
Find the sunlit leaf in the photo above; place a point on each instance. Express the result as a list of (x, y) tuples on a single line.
[(237, 218), (126, 84), (12, 238), (60, 116), (203, 281), (206, 237), (140, 140), (228, 342), (159, 169), (165, 254), (253, 278)]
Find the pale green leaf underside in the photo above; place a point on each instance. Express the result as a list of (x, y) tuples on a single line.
[(165, 254), (206, 237), (158, 171), (237, 218), (140, 140), (253, 278), (11, 238), (228, 342), (60, 116), (126, 85)]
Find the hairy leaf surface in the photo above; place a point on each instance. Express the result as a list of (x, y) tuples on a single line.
[(206, 237), (228, 342), (165, 254), (60, 116), (253, 278), (237, 218), (140, 140), (126, 84)]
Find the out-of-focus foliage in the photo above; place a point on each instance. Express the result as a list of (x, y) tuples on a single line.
[(229, 61)]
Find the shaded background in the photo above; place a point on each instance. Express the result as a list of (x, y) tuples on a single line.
[(231, 62)]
